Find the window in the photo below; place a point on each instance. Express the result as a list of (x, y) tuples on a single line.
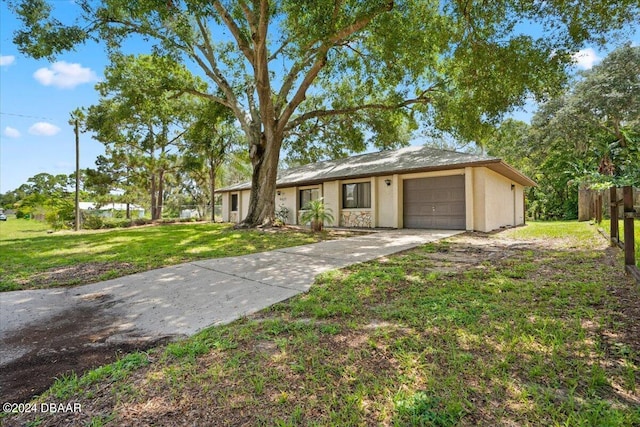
[(234, 203), (308, 195), (356, 195)]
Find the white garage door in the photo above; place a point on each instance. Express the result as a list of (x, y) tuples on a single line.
[(437, 203)]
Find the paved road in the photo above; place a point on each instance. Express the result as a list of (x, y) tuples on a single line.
[(181, 300)]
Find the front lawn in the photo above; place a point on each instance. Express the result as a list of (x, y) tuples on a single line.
[(533, 326), (32, 258)]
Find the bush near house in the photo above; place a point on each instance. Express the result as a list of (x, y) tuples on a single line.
[(316, 213)]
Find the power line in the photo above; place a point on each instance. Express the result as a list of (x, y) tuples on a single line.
[(27, 116)]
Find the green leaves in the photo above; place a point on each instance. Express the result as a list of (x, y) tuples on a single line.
[(330, 78), (44, 36), (588, 136)]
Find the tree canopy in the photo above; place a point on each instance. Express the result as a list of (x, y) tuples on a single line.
[(588, 135), (330, 76), (139, 120)]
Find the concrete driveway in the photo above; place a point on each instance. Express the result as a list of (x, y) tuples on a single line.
[(179, 301)]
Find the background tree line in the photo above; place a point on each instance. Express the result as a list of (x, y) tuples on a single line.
[(588, 135), (326, 78), (167, 149)]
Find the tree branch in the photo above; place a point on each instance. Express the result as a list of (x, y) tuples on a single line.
[(321, 60), (216, 75), (235, 30), (341, 111), (261, 66), (279, 50), (197, 93)]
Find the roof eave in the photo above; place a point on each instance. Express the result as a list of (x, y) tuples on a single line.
[(510, 172), (496, 165)]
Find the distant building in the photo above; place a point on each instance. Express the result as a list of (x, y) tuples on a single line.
[(106, 210), (189, 213)]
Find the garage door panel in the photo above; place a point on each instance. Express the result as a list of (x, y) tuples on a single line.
[(435, 202)]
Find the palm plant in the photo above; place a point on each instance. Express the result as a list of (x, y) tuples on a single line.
[(316, 213)]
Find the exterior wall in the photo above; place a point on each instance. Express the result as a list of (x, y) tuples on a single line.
[(479, 200), (356, 218), (469, 198), (519, 208), (490, 201), (385, 202), (332, 200), (287, 198), (497, 203), (244, 204)]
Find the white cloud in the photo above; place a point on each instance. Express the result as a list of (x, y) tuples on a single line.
[(44, 129), (11, 132), (6, 60), (586, 58), (64, 75)]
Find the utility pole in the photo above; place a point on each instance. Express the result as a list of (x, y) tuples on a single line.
[(77, 132)]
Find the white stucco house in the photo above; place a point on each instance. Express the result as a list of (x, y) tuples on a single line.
[(414, 187)]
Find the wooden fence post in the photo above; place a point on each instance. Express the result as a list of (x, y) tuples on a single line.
[(629, 217), (613, 203)]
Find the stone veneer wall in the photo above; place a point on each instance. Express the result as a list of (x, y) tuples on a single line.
[(361, 219)]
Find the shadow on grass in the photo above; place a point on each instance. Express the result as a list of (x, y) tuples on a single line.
[(474, 331), (35, 262)]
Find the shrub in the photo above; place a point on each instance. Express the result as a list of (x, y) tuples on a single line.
[(117, 223), (282, 215), (92, 222), (316, 213)]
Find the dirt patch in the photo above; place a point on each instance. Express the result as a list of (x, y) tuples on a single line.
[(73, 341), (84, 273), (459, 254)]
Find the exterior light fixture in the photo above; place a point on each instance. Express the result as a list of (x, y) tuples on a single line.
[(513, 186), (387, 181), (279, 192)]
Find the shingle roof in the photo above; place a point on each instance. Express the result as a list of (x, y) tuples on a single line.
[(404, 160)]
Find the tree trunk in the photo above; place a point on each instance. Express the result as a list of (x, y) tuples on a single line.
[(212, 188), (153, 196), (265, 155), (160, 198)]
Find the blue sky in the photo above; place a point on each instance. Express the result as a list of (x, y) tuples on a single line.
[(37, 97)]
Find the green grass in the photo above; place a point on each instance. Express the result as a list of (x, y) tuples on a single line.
[(569, 232), (532, 337), (33, 258), (606, 226), (572, 232)]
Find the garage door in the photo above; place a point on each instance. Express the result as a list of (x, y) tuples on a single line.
[(435, 203)]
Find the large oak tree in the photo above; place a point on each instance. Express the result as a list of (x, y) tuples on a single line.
[(348, 71)]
